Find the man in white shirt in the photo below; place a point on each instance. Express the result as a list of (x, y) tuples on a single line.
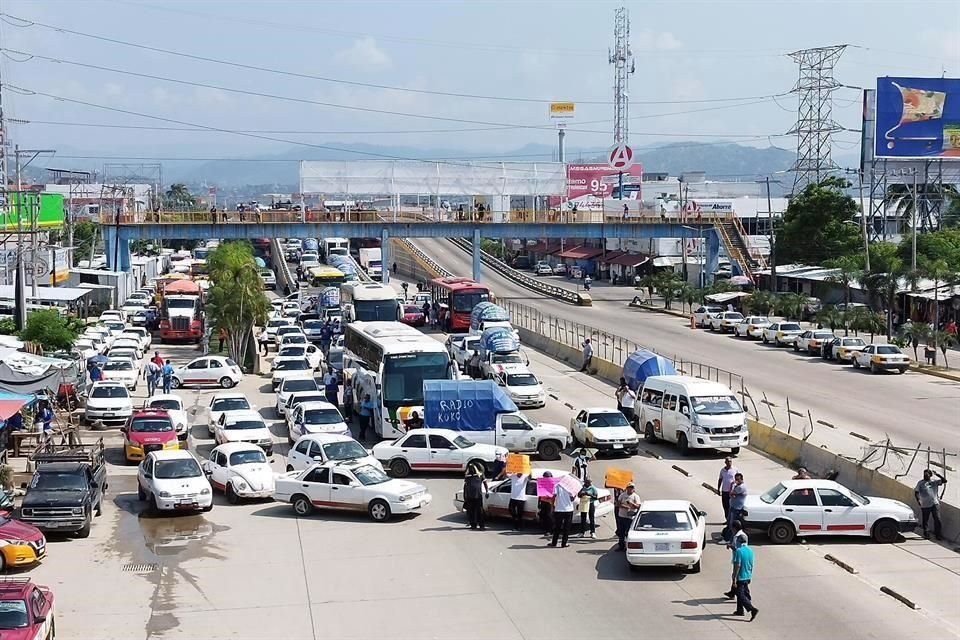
[(725, 484), (518, 492), (562, 515)]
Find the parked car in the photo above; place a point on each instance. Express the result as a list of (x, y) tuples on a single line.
[(843, 349), (434, 450), (294, 384), (284, 368), (881, 357), (241, 471), (725, 321), (243, 426), (173, 481), (543, 269), (28, 610), (21, 545), (559, 269), (311, 353), (123, 371), (315, 417), (810, 341), (108, 401), (667, 533), (751, 327), (225, 402), (703, 313), (173, 405), (606, 430), (781, 333), (324, 447)]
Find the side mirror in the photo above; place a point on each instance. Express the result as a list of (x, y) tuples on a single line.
[(354, 483), (703, 514), (318, 458), (685, 411), (148, 475), (206, 467), (124, 430)]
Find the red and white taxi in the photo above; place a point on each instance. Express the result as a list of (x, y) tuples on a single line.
[(26, 610)]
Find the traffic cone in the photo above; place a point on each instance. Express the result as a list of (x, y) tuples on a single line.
[(693, 322)]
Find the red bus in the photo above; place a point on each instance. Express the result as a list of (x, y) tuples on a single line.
[(457, 298)]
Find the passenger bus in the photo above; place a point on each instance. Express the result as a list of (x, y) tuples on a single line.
[(457, 298), (390, 362), (335, 247), (369, 302), (326, 277)]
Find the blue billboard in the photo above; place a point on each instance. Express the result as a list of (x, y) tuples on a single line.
[(917, 118)]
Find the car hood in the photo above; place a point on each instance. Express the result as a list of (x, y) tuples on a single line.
[(161, 437), (181, 485), (893, 507), (100, 403), (532, 390), (722, 420), (398, 487), (258, 476), (555, 429), (612, 433), (239, 435), (50, 497), (752, 503), (336, 427)]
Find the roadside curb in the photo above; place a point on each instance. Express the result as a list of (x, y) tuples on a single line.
[(669, 312), (653, 454), (681, 470), (840, 563), (896, 596), (710, 488), (936, 373)]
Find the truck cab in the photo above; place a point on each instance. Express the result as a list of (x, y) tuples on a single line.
[(181, 318)]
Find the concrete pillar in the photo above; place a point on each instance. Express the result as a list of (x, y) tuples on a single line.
[(476, 254), (713, 255), (109, 238), (386, 261)]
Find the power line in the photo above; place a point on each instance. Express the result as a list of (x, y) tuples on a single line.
[(307, 76)]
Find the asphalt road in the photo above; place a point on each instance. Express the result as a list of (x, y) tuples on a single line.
[(911, 408)]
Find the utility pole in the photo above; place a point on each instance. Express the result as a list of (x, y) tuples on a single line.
[(34, 215), (913, 248), (621, 57), (773, 240)]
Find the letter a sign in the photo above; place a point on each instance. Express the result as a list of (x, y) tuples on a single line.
[(621, 157)]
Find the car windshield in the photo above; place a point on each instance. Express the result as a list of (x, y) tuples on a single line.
[(522, 380), (888, 349), (296, 338), (245, 424), (278, 322), (715, 405), (789, 326), (734, 316), (109, 392), (349, 450), (181, 468), (150, 425), (313, 325), (507, 358), (612, 419), (322, 416), (771, 496), (288, 329), (292, 352), (300, 384), (409, 308), (852, 342), (663, 521), (119, 365), (230, 404), (168, 404), (463, 443), (292, 365), (13, 614), (368, 475), (299, 398), (55, 481)]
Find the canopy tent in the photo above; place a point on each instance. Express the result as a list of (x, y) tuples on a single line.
[(726, 296), (11, 403), (641, 364), (25, 373)]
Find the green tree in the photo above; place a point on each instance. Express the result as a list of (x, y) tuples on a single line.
[(849, 270), (667, 284), (900, 197), (236, 302), (789, 305), (936, 245), (914, 333), (832, 317), (178, 196), (85, 239), (48, 329), (759, 302), (945, 341), (888, 273), (688, 295), (8, 326), (819, 224)]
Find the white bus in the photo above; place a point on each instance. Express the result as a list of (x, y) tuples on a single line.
[(369, 302), (390, 361), (335, 247)]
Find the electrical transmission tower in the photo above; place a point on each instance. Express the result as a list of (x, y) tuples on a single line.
[(621, 57), (815, 124)]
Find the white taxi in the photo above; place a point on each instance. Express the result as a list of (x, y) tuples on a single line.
[(241, 471), (751, 327), (173, 405), (325, 447), (667, 533), (303, 383), (881, 357), (781, 333), (172, 480), (523, 387), (315, 417), (844, 349), (824, 507), (350, 486), (307, 351), (434, 450), (243, 426), (812, 341), (702, 314), (725, 321), (224, 402), (122, 370), (606, 430), (284, 368)]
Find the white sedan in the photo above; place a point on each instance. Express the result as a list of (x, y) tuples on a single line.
[(294, 384), (812, 341), (122, 370), (433, 450), (243, 426), (702, 314), (782, 333), (350, 486), (604, 429), (173, 481), (667, 533), (173, 405), (315, 417), (725, 321), (825, 507), (304, 351), (751, 327), (325, 447), (523, 387), (881, 357), (215, 370), (284, 368), (296, 398), (224, 402), (844, 349), (241, 471)]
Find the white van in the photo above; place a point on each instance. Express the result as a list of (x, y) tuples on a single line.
[(691, 412)]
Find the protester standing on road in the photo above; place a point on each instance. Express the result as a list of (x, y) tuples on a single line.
[(404, 286), (725, 484), (588, 497), (627, 506), (474, 486), (434, 316), (347, 402), (545, 510), (562, 516), (587, 355), (622, 388), (739, 538), (167, 373), (157, 359), (743, 566), (96, 373), (518, 493), (326, 335), (330, 387), (625, 399), (926, 494), (366, 413), (151, 373), (738, 498), (580, 465)]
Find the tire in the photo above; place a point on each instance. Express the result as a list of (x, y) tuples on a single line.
[(764, 339), (3, 563), (873, 369), (302, 505), (781, 532), (175, 383), (648, 434), (154, 505), (378, 510), (399, 468), (735, 451), (232, 496), (695, 568), (290, 468), (796, 348), (683, 445), (856, 365), (226, 383), (885, 531), (141, 494), (84, 531), (776, 342), (549, 450), (901, 371), (99, 510)]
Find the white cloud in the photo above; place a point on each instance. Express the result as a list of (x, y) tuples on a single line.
[(686, 89), (209, 97), (656, 41), (364, 55)]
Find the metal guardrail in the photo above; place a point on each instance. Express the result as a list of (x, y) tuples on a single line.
[(280, 267), (427, 262), (580, 298)]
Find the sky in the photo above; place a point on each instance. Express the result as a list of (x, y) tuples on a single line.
[(705, 71)]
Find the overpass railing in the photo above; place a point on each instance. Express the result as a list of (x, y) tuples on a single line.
[(428, 262)]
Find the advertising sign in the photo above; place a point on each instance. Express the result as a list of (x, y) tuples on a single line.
[(917, 118), (620, 157), (599, 180), (562, 109), (49, 210)]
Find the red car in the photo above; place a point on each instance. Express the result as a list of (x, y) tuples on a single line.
[(148, 430), (21, 544), (413, 316), (26, 610)]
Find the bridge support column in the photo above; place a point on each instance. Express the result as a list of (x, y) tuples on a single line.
[(713, 256), (476, 255), (118, 257), (386, 262)]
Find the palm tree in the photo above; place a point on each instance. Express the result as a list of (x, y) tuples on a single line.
[(760, 302), (790, 305), (900, 196), (830, 316), (236, 302), (945, 340), (887, 274), (178, 196), (913, 333), (938, 271), (688, 294), (849, 270), (668, 285)]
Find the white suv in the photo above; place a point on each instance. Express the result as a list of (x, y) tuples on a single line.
[(173, 481), (108, 401)]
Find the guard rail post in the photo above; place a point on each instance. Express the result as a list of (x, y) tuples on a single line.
[(385, 256), (476, 254)]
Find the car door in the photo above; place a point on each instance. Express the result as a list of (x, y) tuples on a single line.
[(498, 500), (219, 473), (196, 372), (444, 454), (580, 426), (296, 421), (863, 357), (316, 485), (516, 435), (299, 455), (841, 515), (414, 450), (313, 356), (346, 492), (215, 371), (802, 508), (145, 474), (668, 420)]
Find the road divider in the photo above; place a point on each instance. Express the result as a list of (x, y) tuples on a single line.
[(680, 469), (840, 563), (710, 487), (653, 454), (896, 596)]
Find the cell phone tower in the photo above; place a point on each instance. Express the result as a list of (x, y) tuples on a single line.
[(815, 125), (621, 57)]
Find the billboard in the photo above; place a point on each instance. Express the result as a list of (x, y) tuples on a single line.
[(562, 109), (917, 118), (49, 210), (600, 181)]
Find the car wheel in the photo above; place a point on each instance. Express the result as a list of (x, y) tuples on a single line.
[(856, 364), (695, 568), (796, 347), (901, 371), (379, 510), (176, 383), (781, 532), (154, 505), (648, 434), (290, 468), (302, 505), (549, 450), (886, 532), (232, 496), (141, 495), (84, 531), (764, 339), (683, 445), (776, 342), (735, 451), (226, 383), (3, 563), (400, 468), (873, 368)]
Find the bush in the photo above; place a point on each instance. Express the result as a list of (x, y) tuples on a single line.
[(48, 329)]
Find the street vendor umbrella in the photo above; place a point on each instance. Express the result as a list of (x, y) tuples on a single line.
[(99, 359)]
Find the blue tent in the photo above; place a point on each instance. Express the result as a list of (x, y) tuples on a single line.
[(464, 405), (642, 364), (498, 340)]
